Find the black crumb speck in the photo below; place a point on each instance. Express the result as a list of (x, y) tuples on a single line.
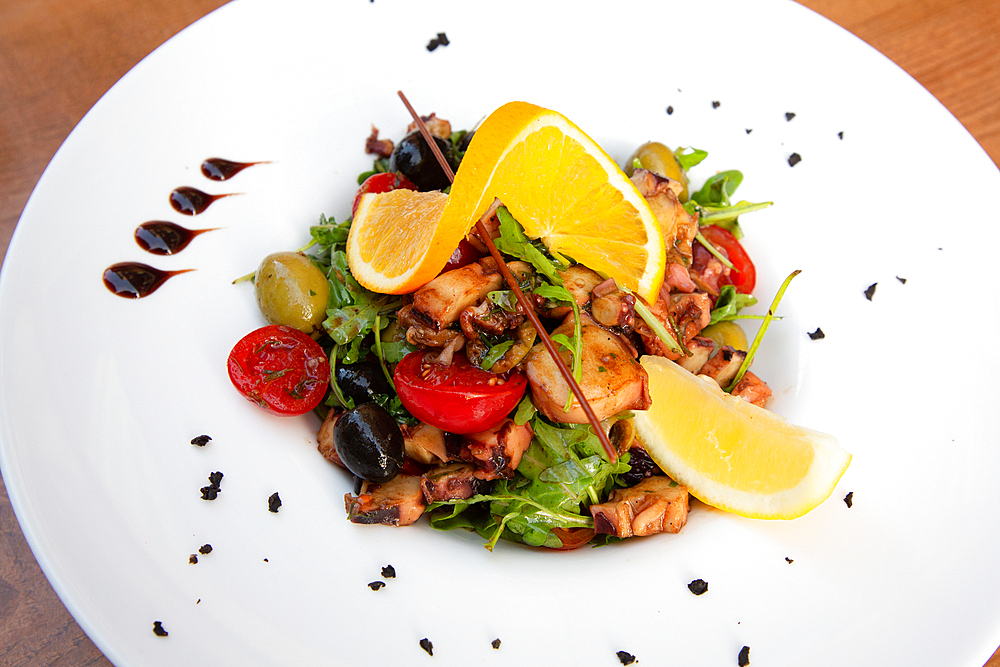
[(495, 643), (794, 159), (626, 658), (266, 561), (375, 585), (388, 572), (670, 110), (789, 115), (440, 40), (193, 559), (201, 440), (426, 644), (789, 560), (212, 491), (749, 130), (849, 499), (840, 135), (744, 657), (273, 502), (870, 292), (715, 104), (698, 586), (817, 335), (158, 629), (902, 280), (205, 549)]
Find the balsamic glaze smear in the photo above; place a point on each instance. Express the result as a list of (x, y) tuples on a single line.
[(164, 238), (219, 169), (191, 201), (132, 280)]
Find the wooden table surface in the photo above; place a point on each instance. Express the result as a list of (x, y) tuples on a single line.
[(57, 57)]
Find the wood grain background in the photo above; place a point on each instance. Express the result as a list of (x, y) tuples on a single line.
[(57, 57)]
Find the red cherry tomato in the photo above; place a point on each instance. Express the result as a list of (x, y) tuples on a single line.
[(280, 369), (465, 253), (457, 398), (384, 182), (573, 538), (744, 277)]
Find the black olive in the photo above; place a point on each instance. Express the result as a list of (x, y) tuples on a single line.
[(413, 158), (362, 380), (369, 443), (642, 466)]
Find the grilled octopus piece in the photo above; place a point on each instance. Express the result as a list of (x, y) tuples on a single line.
[(496, 452), (679, 227), (455, 481), (655, 505), (398, 502), (611, 379)]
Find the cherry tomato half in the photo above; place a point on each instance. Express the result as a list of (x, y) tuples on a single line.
[(384, 182), (744, 277), (280, 369), (457, 398)]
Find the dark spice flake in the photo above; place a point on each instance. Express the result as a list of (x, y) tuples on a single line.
[(902, 280), (744, 657), (840, 135), (749, 130), (670, 110), (817, 335), (790, 561), (205, 549), (440, 40), (212, 491), (376, 585), (626, 658), (870, 292), (388, 572), (698, 586), (201, 440), (158, 629), (426, 644), (715, 104), (794, 159), (789, 115), (193, 559), (495, 643), (273, 502), (849, 499)]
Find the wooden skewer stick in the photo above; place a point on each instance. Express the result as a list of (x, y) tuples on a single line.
[(525, 303)]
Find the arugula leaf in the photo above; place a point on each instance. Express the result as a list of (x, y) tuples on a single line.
[(729, 303), (719, 188), (330, 234), (512, 241), (687, 160)]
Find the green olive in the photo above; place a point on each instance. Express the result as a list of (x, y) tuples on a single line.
[(292, 291), (659, 159), (726, 333)]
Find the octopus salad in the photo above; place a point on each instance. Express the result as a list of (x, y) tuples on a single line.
[(445, 403)]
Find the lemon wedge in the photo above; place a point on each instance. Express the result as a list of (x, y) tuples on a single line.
[(732, 454)]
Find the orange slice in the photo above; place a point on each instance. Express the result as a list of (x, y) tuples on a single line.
[(393, 239), (732, 454), (557, 182)]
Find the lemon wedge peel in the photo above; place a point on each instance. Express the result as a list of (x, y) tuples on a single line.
[(732, 454)]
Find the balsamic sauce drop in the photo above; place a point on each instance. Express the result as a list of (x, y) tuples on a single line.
[(191, 201), (132, 280), (164, 238), (218, 169)]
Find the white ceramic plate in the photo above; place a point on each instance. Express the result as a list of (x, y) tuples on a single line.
[(102, 395)]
